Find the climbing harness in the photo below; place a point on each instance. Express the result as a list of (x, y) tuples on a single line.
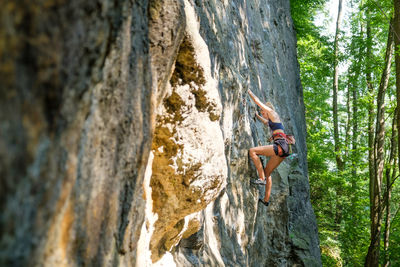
[(289, 139)]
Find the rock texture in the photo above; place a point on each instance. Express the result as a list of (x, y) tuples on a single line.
[(235, 230), (124, 133), (75, 136)]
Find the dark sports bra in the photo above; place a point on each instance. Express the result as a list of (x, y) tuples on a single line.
[(275, 125)]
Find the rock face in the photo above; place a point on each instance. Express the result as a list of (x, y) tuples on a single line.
[(125, 129), (75, 136)]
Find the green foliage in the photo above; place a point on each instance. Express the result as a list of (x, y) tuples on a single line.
[(341, 198), (303, 13), (330, 249), (394, 248)]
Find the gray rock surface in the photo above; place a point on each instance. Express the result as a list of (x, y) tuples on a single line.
[(252, 46), (75, 131), (125, 128)]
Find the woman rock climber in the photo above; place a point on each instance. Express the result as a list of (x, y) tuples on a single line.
[(277, 152)]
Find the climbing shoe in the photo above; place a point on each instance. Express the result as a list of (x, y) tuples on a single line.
[(259, 182), (262, 201)]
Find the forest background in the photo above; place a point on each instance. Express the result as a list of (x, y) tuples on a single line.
[(349, 82)]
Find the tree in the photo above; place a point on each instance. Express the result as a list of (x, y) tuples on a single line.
[(372, 258), (396, 23), (339, 161), (340, 196), (391, 171)]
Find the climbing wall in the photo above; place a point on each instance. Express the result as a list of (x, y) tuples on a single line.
[(125, 128)]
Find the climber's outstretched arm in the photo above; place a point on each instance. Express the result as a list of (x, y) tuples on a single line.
[(259, 103), (262, 119)]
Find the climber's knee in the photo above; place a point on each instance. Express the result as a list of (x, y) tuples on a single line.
[(252, 152)]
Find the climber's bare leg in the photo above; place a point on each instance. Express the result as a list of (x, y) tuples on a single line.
[(261, 150), (273, 162)]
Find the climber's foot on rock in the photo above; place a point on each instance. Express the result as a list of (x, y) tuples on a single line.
[(266, 203), (259, 181)]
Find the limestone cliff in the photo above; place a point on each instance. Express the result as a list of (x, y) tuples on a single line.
[(124, 133)]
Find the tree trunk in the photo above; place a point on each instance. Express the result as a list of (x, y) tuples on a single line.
[(396, 24), (339, 161), (371, 157), (355, 133), (355, 154), (380, 118), (390, 173), (348, 123), (387, 224), (372, 258)]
